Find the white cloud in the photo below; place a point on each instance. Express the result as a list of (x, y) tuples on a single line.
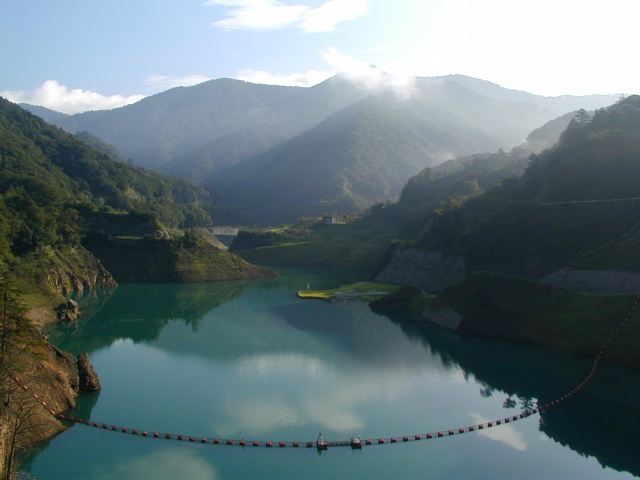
[(328, 15), (258, 14), (161, 83), (360, 73), (272, 14), (163, 463), (506, 434), (307, 79), (368, 76), (51, 94)]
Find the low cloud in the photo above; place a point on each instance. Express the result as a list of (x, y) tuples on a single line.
[(369, 76), (55, 96), (360, 73), (272, 14), (307, 79), (161, 83)]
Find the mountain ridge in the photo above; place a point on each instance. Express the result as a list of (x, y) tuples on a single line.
[(217, 132)]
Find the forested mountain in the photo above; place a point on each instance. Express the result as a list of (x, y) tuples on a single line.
[(46, 114), (303, 109), (598, 158), (162, 127), (575, 201), (338, 133), (363, 154), (51, 180), (564, 103), (100, 145), (473, 174)]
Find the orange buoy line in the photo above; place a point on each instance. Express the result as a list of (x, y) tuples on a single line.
[(355, 442)]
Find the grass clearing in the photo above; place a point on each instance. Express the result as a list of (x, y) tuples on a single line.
[(367, 291)]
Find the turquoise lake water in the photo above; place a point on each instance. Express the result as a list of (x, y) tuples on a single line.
[(249, 360)]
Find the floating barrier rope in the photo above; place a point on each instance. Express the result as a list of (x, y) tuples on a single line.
[(355, 442)]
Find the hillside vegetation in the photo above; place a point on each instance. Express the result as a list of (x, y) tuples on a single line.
[(58, 195), (270, 154), (574, 199), (312, 244), (62, 203), (497, 212), (517, 310)]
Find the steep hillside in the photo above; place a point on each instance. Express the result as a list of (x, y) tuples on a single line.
[(597, 158), (219, 131), (362, 154), (59, 174), (159, 128), (300, 111), (57, 194), (457, 180), (46, 114), (575, 201), (365, 153)]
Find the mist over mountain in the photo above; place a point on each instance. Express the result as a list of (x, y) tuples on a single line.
[(362, 154), (272, 153), (294, 114), (472, 174), (575, 204), (158, 128)]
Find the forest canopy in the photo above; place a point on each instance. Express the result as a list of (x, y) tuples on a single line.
[(51, 181)]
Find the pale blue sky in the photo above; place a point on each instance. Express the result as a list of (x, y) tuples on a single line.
[(74, 55)]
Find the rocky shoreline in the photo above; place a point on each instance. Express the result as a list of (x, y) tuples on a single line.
[(54, 378)]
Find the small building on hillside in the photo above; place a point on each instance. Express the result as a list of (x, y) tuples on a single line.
[(332, 219)]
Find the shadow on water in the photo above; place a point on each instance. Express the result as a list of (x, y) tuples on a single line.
[(140, 312), (601, 421), (84, 407)]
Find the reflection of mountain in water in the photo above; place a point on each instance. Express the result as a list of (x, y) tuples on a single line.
[(598, 422), (601, 421), (140, 312), (352, 327)]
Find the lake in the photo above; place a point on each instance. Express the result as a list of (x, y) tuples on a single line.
[(249, 360)]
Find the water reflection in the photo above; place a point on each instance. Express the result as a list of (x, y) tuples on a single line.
[(600, 422), (258, 339), (140, 312), (506, 434), (164, 463)]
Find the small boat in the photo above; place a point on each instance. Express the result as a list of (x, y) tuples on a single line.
[(321, 442), (356, 442)]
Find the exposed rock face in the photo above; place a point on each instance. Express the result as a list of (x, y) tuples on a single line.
[(428, 270), (443, 317), (68, 311), (88, 378), (601, 281), (76, 269)]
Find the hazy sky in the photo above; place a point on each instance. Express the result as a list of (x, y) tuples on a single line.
[(74, 55)]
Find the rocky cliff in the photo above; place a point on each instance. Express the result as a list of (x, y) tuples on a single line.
[(38, 382), (74, 269), (429, 270)]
